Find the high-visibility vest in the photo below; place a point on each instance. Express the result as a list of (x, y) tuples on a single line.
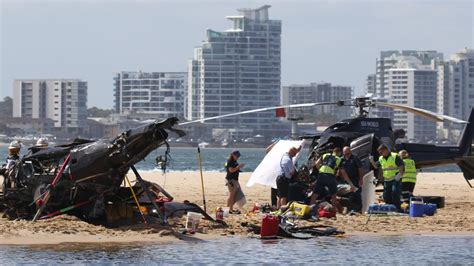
[(329, 163), (389, 166), (410, 171)]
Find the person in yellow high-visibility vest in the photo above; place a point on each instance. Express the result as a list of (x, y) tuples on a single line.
[(328, 166), (409, 176), (393, 169)]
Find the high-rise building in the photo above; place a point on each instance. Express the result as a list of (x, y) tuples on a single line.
[(370, 84), (413, 83), (62, 100), (237, 70), (389, 58), (317, 92), (155, 94), (456, 87)]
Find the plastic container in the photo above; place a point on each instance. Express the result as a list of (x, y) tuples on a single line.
[(417, 207), (219, 214), (382, 208), (430, 209), (226, 211), (301, 210), (270, 226), (327, 214), (192, 220)]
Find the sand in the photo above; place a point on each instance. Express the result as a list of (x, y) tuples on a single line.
[(456, 218)]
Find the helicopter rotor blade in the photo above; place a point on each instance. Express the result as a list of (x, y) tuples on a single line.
[(422, 112), (261, 110)]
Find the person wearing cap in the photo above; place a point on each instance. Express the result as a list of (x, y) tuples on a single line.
[(233, 168), (13, 154), (409, 175), (12, 159), (393, 169), (42, 143), (285, 172)]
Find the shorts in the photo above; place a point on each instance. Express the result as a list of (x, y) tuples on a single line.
[(408, 187), (325, 181), (283, 186), (232, 185)]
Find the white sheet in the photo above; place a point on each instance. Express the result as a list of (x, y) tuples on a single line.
[(267, 171)]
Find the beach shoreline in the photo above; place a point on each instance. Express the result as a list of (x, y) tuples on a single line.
[(455, 219)]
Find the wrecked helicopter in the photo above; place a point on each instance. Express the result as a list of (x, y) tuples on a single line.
[(84, 178)]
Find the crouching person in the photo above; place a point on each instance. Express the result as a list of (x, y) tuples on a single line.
[(328, 165)]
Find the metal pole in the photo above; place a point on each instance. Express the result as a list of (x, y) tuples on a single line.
[(46, 197), (135, 198), (148, 193), (202, 179)]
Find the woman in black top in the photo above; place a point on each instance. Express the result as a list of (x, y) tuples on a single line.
[(232, 182)]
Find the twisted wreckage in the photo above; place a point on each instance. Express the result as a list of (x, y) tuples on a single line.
[(85, 177)]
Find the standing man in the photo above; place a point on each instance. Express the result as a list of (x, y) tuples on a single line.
[(13, 154), (393, 170), (353, 167), (409, 176), (328, 165), (12, 159), (285, 172)]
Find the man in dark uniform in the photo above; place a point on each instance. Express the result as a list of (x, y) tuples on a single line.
[(353, 167)]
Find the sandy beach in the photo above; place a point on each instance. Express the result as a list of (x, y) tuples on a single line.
[(455, 218)]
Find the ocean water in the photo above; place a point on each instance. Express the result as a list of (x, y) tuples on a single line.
[(392, 250), (213, 159)]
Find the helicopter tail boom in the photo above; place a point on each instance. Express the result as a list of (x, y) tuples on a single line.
[(465, 144)]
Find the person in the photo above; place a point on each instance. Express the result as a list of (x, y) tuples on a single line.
[(13, 154), (285, 172), (12, 159), (328, 165), (392, 168), (353, 167), (409, 175), (42, 143), (233, 168)]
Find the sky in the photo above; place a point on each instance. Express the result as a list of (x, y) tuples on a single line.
[(331, 41)]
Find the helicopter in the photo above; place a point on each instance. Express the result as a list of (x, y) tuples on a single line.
[(364, 134), (84, 175)]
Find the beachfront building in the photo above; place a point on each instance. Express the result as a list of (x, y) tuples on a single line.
[(152, 94), (317, 92), (236, 70), (370, 84), (413, 83), (388, 59), (456, 88), (62, 100)]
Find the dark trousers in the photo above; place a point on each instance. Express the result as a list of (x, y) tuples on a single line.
[(274, 197), (391, 192)]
